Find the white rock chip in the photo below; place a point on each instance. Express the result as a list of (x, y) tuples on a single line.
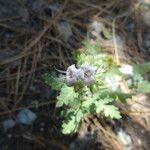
[(125, 139), (126, 69)]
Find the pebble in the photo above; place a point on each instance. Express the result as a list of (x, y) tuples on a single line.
[(64, 29), (8, 123), (124, 138), (26, 116)]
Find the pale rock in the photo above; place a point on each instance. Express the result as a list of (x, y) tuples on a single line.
[(26, 116)]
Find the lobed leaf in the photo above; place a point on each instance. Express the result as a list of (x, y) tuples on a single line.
[(67, 95)]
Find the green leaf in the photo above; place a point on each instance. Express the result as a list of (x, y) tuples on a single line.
[(89, 100), (91, 48), (108, 109), (112, 112), (87, 103), (67, 95), (69, 126), (72, 119), (115, 95), (59, 103), (75, 104), (54, 83), (144, 87), (79, 115), (101, 103), (142, 68)]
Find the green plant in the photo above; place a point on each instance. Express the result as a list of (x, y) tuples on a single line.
[(93, 86)]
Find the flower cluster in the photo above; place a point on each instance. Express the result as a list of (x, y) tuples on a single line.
[(85, 73), (71, 74), (112, 82)]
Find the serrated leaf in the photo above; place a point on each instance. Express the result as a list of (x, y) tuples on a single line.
[(102, 103), (112, 112), (108, 110), (79, 115), (68, 127), (87, 103), (67, 95), (75, 104), (89, 100), (99, 107)]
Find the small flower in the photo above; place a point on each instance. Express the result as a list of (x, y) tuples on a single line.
[(112, 82), (71, 74), (87, 73), (126, 69)]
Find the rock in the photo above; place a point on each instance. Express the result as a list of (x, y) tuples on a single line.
[(112, 82), (26, 116), (95, 29), (126, 69), (8, 123), (53, 8), (64, 30), (124, 138)]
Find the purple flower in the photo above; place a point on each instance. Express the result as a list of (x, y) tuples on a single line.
[(87, 73), (71, 74)]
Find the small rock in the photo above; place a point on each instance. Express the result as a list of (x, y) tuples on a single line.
[(53, 8), (126, 69), (41, 129), (26, 116), (124, 138), (9, 136), (96, 28), (8, 123), (112, 82), (64, 30)]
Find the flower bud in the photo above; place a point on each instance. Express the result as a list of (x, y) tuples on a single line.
[(87, 73), (71, 74)]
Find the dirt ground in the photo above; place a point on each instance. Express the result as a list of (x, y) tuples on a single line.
[(37, 36)]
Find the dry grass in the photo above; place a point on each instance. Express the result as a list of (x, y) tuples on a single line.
[(41, 50)]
